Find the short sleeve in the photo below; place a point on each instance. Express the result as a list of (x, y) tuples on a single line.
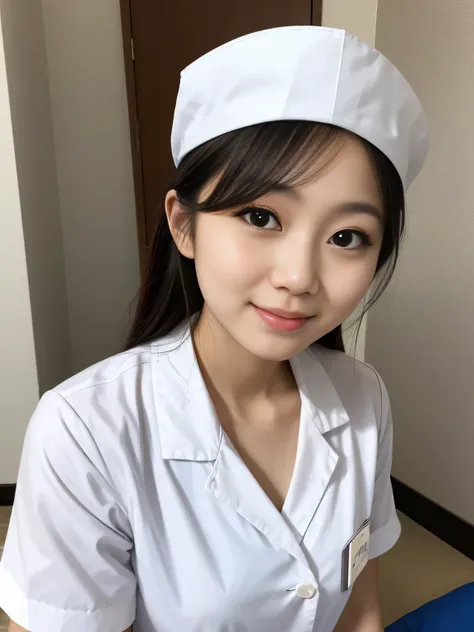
[(385, 525), (66, 566)]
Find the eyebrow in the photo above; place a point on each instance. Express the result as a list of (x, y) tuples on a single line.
[(362, 207), (346, 207), (285, 189)]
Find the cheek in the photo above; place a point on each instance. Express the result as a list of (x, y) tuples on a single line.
[(347, 282), (225, 258)]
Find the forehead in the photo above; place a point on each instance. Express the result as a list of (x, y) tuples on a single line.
[(344, 171), (346, 175)]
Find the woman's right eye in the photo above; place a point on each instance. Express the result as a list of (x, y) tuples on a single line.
[(260, 218)]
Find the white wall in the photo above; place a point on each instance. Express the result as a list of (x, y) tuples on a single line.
[(92, 144), (360, 19), (420, 336), (68, 245), (18, 377), (27, 75)]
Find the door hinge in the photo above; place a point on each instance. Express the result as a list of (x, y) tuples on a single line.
[(132, 46)]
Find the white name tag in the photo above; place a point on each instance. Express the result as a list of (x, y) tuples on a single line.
[(355, 556)]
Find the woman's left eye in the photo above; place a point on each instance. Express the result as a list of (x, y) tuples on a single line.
[(350, 239), (260, 218)]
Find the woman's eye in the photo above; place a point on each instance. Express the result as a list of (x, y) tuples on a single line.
[(261, 218), (349, 239)]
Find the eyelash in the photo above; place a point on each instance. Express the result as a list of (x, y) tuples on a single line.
[(250, 209), (366, 241)]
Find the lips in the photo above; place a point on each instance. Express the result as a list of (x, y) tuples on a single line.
[(284, 314), (281, 320)]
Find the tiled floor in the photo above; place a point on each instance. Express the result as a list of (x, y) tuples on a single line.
[(418, 569)]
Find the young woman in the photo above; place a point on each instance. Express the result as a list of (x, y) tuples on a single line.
[(230, 471)]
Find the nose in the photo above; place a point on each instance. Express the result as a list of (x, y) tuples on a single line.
[(296, 268)]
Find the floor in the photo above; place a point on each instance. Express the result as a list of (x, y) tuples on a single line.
[(420, 567), (4, 517)]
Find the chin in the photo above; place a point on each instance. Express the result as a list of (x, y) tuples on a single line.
[(274, 348)]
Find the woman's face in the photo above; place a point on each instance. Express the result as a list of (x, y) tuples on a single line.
[(281, 273)]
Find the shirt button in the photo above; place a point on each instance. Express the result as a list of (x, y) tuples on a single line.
[(306, 591)]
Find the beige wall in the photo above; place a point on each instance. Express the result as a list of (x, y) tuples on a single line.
[(420, 336), (89, 107), (68, 245), (359, 17), (36, 171), (18, 376)]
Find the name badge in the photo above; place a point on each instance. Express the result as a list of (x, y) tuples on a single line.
[(355, 556)]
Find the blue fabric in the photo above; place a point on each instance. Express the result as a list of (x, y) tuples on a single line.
[(453, 612)]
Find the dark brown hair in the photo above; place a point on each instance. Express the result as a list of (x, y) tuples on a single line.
[(247, 164)]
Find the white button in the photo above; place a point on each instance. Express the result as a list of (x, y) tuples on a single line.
[(306, 591)]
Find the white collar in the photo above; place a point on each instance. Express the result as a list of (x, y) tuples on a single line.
[(188, 426)]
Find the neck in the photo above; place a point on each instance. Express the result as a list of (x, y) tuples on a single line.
[(237, 375)]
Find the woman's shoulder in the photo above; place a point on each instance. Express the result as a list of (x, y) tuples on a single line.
[(355, 381), (101, 419), (109, 403), (127, 366), (341, 364), (130, 367), (113, 397)]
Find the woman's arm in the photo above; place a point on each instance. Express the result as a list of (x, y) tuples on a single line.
[(66, 505), (362, 612)]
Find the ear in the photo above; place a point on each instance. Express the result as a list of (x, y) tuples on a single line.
[(179, 224)]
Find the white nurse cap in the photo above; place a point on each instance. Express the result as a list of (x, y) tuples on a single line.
[(305, 73)]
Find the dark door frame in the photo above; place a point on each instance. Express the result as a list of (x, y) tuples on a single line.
[(127, 33), (129, 59)]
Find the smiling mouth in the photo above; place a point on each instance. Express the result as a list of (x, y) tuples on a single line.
[(282, 320)]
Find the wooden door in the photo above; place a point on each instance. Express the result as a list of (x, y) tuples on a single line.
[(161, 37)]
